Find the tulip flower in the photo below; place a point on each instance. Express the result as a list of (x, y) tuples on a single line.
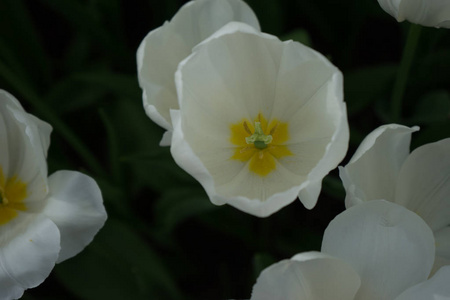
[(43, 220), (260, 121), (433, 13), (165, 47), (374, 251), (383, 168)]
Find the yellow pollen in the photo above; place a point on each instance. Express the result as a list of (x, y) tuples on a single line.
[(13, 192), (255, 146)]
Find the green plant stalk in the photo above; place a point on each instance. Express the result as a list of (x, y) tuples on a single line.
[(33, 99), (113, 146), (403, 71)]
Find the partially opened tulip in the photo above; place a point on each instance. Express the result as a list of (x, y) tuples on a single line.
[(374, 251), (260, 121), (43, 220), (433, 13), (165, 47), (383, 168)]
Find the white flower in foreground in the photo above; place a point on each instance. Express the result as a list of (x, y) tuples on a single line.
[(374, 251), (434, 13), (165, 47), (260, 122), (43, 220), (383, 168)]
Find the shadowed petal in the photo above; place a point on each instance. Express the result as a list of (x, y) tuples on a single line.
[(163, 48), (373, 170), (390, 247), (424, 183), (75, 205), (307, 276), (28, 257), (436, 288)]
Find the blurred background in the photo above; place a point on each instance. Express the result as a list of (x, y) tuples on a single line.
[(72, 63)]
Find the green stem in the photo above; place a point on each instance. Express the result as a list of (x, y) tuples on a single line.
[(403, 71), (33, 99), (113, 146)]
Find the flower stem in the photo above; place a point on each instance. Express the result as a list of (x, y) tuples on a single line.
[(33, 99), (403, 71)]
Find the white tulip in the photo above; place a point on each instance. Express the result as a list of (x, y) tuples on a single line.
[(374, 251), (165, 47), (433, 13), (383, 168), (260, 121), (43, 220)]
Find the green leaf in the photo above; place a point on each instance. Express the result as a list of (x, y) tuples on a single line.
[(363, 87), (299, 35), (177, 205), (70, 95), (333, 187), (118, 265), (433, 107), (17, 28), (261, 261), (270, 15), (120, 84)]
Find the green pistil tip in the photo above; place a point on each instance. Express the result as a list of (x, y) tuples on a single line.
[(259, 139)]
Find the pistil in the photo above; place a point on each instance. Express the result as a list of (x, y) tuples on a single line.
[(258, 138)]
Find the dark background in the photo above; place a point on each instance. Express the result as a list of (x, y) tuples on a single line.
[(72, 63)]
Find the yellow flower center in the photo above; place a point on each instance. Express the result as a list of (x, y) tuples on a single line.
[(260, 142), (12, 193)]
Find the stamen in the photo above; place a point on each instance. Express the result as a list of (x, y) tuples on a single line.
[(274, 128), (246, 128), (243, 150), (261, 154), (259, 139)]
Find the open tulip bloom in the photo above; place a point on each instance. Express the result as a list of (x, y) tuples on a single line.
[(43, 220), (374, 251), (383, 168), (434, 13), (165, 47), (260, 121)]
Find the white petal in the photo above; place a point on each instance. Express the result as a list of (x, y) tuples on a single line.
[(307, 276), (24, 141), (308, 94), (424, 183), (163, 48), (392, 8), (442, 238), (434, 13), (436, 288), (372, 172), (390, 247), (28, 257), (238, 73), (75, 205), (166, 139), (185, 157)]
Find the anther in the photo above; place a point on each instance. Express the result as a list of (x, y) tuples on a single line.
[(246, 128)]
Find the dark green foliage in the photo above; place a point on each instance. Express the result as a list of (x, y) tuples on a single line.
[(72, 63)]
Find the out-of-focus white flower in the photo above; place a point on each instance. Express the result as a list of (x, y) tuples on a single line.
[(260, 121), (383, 168), (43, 220), (165, 47), (374, 251), (434, 13)]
